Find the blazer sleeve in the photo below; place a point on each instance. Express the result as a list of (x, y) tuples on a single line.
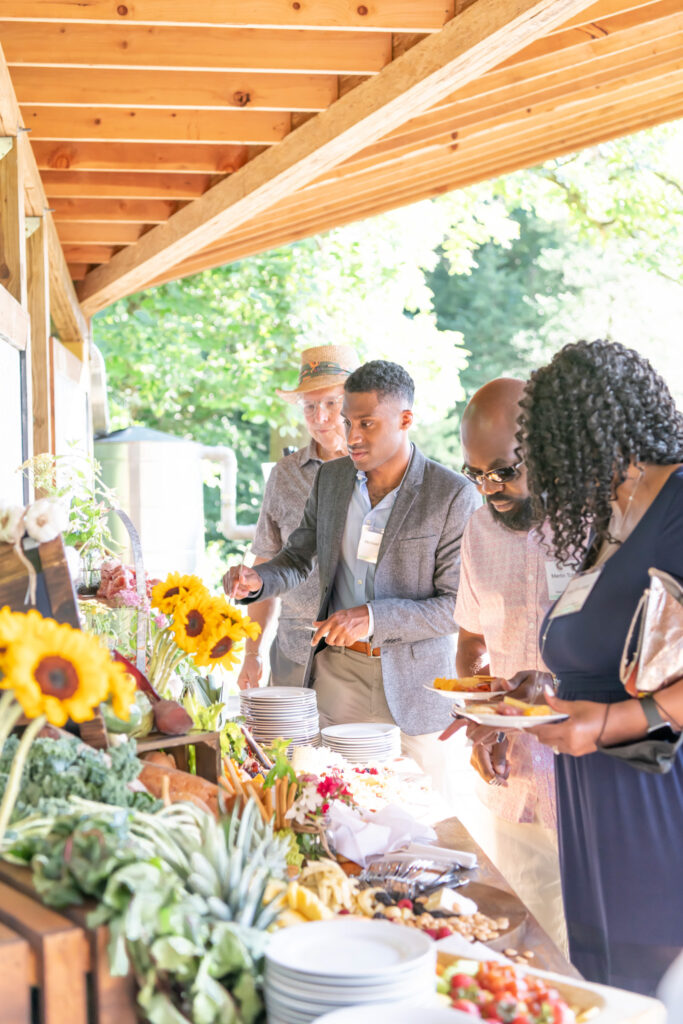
[(294, 562), (402, 620)]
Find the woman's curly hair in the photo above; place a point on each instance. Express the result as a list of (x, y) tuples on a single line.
[(595, 408)]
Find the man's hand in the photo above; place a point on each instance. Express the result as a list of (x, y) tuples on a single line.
[(251, 671), (491, 762), (241, 581), (343, 628)]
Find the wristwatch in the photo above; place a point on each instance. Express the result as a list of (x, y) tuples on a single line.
[(653, 714)]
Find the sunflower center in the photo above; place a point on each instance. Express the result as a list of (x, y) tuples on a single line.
[(221, 648), (56, 677), (172, 591), (195, 623)]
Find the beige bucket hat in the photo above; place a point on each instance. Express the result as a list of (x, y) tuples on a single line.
[(322, 367)]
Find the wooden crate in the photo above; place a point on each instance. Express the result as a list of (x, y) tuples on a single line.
[(55, 970)]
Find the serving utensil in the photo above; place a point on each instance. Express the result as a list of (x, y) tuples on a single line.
[(407, 878)]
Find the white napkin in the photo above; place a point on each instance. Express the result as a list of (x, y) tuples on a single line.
[(361, 835)]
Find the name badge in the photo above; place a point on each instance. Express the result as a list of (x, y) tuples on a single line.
[(368, 545), (558, 577), (576, 594)]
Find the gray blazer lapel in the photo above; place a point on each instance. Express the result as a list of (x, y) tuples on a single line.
[(332, 518), (405, 498)]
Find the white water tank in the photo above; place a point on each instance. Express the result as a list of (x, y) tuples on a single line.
[(158, 480)]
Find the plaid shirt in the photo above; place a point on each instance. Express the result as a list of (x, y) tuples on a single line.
[(503, 597), (288, 487)]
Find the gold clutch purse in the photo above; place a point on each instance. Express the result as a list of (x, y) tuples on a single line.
[(653, 652)]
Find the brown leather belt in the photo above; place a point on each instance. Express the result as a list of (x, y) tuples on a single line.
[(363, 647)]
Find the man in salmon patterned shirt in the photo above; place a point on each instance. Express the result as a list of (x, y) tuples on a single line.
[(507, 582)]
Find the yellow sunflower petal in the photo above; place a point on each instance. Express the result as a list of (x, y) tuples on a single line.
[(193, 619), (167, 594)]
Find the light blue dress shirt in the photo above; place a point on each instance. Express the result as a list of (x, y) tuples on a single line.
[(354, 581)]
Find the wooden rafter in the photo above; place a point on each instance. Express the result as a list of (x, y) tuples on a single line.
[(476, 40)]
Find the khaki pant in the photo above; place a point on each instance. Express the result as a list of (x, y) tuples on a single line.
[(284, 671), (349, 688)]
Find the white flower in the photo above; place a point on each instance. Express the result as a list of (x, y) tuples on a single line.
[(46, 519), (10, 517)]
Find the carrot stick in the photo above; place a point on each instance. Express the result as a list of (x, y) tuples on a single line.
[(291, 794), (235, 779), (224, 784), (281, 801), (268, 801), (253, 793)]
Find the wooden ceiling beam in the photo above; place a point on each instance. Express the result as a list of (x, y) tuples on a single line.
[(470, 44), (194, 49), (140, 157), (93, 124), (65, 310), (597, 12), (122, 185), (337, 15), (195, 90), (131, 211)]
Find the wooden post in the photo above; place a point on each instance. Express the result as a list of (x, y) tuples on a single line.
[(12, 227), (13, 274), (39, 311)]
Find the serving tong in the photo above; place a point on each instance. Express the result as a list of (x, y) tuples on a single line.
[(405, 877)]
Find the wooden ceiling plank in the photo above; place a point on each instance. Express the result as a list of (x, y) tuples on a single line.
[(195, 90), (140, 157), (122, 185), (66, 312), (132, 211), (597, 12), (387, 16), (98, 234), (450, 178), (201, 49), (460, 116), (78, 270), (471, 43), (92, 124), (657, 13), (90, 254)]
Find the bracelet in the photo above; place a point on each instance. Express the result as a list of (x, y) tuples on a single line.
[(604, 723), (666, 716)]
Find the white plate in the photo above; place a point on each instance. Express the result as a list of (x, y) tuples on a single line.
[(359, 730), (463, 694), (508, 721), (394, 1013), (296, 997), (349, 949)]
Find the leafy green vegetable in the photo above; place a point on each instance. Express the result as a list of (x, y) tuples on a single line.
[(58, 769), (281, 769)]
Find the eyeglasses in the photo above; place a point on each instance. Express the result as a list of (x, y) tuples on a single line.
[(329, 405), (495, 476)]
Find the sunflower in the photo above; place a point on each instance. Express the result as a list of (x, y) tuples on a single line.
[(193, 619), (60, 672), (221, 645), (229, 613), (167, 594)]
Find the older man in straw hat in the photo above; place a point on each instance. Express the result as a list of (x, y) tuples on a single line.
[(319, 394)]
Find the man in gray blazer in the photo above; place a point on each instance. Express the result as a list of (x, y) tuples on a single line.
[(386, 525)]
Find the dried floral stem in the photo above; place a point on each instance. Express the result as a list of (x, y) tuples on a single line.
[(14, 780)]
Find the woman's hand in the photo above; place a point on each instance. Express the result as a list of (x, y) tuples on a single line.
[(579, 733)]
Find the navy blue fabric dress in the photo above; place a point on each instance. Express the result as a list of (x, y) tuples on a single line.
[(620, 829)]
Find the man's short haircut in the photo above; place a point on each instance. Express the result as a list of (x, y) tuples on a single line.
[(389, 380)]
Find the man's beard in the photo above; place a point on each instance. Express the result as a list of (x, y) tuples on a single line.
[(520, 518)]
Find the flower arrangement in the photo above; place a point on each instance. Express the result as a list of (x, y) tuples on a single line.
[(206, 629), (44, 520), (51, 672), (314, 798)]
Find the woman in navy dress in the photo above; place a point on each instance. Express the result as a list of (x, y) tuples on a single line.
[(603, 445)]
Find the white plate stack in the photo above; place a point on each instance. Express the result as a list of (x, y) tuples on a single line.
[(364, 741), (290, 712), (314, 968)]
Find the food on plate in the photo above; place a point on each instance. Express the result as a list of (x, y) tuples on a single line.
[(523, 708), (466, 684), (499, 992), (451, 901)]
